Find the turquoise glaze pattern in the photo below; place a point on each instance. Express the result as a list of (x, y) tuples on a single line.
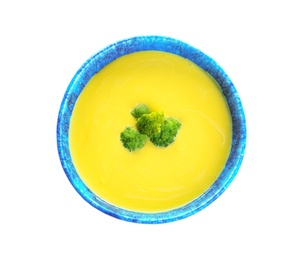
[(159, 43)]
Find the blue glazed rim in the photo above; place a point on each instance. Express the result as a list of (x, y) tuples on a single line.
[(158, 43)]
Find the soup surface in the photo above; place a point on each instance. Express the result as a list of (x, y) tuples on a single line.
[(151, 179)]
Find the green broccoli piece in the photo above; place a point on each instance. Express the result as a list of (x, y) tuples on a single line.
[(153, 125), (166, 136), (150, 124), (132, 139), (140, 110)]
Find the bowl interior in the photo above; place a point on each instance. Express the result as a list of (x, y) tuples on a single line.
[(158, 43)]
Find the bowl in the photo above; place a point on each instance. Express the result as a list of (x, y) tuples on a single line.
[(165, 44)]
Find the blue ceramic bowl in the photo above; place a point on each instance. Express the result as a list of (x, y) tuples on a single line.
[(114, 51)]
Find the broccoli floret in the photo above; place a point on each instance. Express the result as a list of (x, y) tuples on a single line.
[(166, 136), (132, 139), (150, 124), (161, 131), (140, 110)]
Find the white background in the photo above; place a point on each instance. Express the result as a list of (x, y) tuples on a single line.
[(261, 46)]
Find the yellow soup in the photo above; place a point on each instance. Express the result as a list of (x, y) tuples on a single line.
[(151, 179)]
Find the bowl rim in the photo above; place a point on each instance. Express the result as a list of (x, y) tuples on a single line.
[(166, 44)]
